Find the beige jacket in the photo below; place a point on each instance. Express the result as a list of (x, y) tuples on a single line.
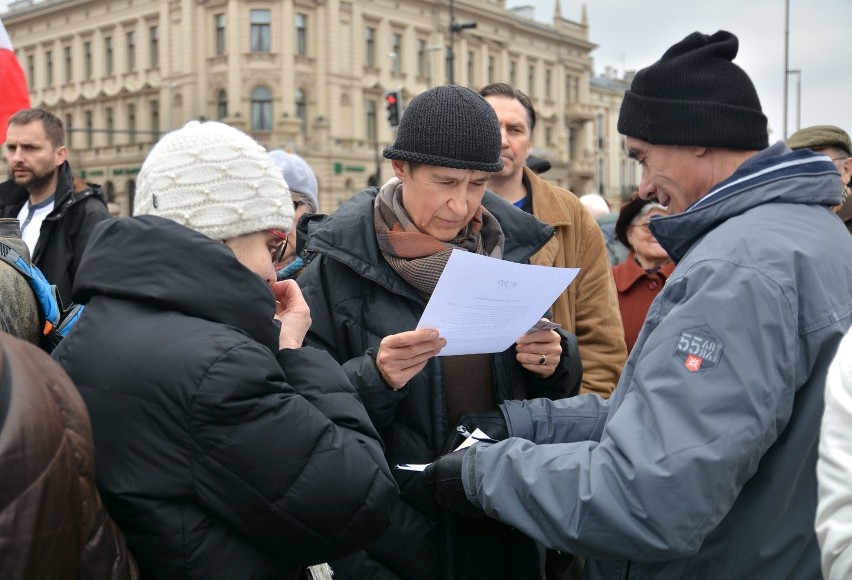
[(589, 307)]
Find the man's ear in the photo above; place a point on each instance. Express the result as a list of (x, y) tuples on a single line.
[(846, 171), (60, 154), (400, 168)]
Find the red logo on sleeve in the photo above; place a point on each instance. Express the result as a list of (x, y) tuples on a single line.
[(693, 363)]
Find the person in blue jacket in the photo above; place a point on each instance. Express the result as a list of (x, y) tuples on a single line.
[(702, 464)]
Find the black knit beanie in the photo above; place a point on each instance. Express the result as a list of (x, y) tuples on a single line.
[(449, 126), (695, 95)]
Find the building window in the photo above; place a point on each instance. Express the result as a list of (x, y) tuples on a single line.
[(87, 59), (69, 130), (548, 136), (154, 38), (301, 35), (422, 59), (572, 152), (131, 122), (221, 105), (490, 69), (261, 109), (302, 110), (470, 62), (48, 68), (571, 88), (109, 56), (372, 121), (548, 83), (110, 126), (513, 72), (155, 119), (131, 51), (31, 71), (601, 177), (370, 52), (260, 33), (69, 65), (531, 80), (219, 20), (396, 50), (90, 137)]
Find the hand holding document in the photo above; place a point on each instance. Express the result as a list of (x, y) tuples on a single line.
[(475, 437), (482, 305)]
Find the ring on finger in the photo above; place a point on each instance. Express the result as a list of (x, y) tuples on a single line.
[(542, 360)]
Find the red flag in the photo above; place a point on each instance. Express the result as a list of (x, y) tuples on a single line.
[(13, 82)]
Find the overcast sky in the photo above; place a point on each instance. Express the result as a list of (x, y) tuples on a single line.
[(632, 34)]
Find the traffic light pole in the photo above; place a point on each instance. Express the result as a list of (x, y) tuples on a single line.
[(451, 56), (451, 51)]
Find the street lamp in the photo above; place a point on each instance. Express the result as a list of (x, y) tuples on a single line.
[(798, 74), (451, 56)]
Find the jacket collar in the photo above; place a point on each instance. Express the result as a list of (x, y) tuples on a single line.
[(549, 204), (15, 196), (775, 175), (629, 272)]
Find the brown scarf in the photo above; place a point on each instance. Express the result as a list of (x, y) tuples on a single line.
[(418, 257)]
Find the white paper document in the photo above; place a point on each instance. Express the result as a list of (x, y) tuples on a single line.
[(483, 305), (475, 437)]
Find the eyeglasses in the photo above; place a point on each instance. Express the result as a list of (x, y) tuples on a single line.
[(278, 250), (645, 226)]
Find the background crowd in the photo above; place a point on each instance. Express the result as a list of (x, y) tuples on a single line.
[(245, 373)]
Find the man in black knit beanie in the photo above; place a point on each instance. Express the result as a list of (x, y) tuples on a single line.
[(702, 463)]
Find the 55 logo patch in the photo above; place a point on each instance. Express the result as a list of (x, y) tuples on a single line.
[(699, 349)]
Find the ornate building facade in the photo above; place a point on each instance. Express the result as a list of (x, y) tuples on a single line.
[(617, 176), (305, 75)]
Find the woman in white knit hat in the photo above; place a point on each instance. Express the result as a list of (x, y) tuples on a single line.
[(222, 442)]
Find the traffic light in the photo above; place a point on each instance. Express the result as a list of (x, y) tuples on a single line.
[(393, 103)]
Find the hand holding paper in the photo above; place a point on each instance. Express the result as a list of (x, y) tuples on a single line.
[(471, 439), (539, 351), (482, 305), (403, 355)]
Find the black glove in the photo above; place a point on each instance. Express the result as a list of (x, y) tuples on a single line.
[(443, 476), (491, 423)]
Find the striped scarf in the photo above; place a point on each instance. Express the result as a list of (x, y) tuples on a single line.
[(418, 257)]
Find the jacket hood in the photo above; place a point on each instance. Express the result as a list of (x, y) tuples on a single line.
[(775, 175), (340, 236), (155, 261)]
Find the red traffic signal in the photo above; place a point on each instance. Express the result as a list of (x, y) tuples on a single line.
[(393, 104)]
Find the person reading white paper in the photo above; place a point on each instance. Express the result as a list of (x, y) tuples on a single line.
[(482, 305)]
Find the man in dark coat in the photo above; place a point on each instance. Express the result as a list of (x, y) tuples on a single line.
[(372, 267), (57, 211), (225, 448)]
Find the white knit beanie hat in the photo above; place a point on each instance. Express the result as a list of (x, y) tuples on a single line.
[(215, 180)]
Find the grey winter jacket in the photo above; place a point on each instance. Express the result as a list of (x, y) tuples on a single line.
[(702, 465)]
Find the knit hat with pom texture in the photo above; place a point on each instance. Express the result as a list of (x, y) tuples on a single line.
[(213, 179)]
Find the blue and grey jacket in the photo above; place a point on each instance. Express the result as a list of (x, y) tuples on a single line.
[(702, 464)]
